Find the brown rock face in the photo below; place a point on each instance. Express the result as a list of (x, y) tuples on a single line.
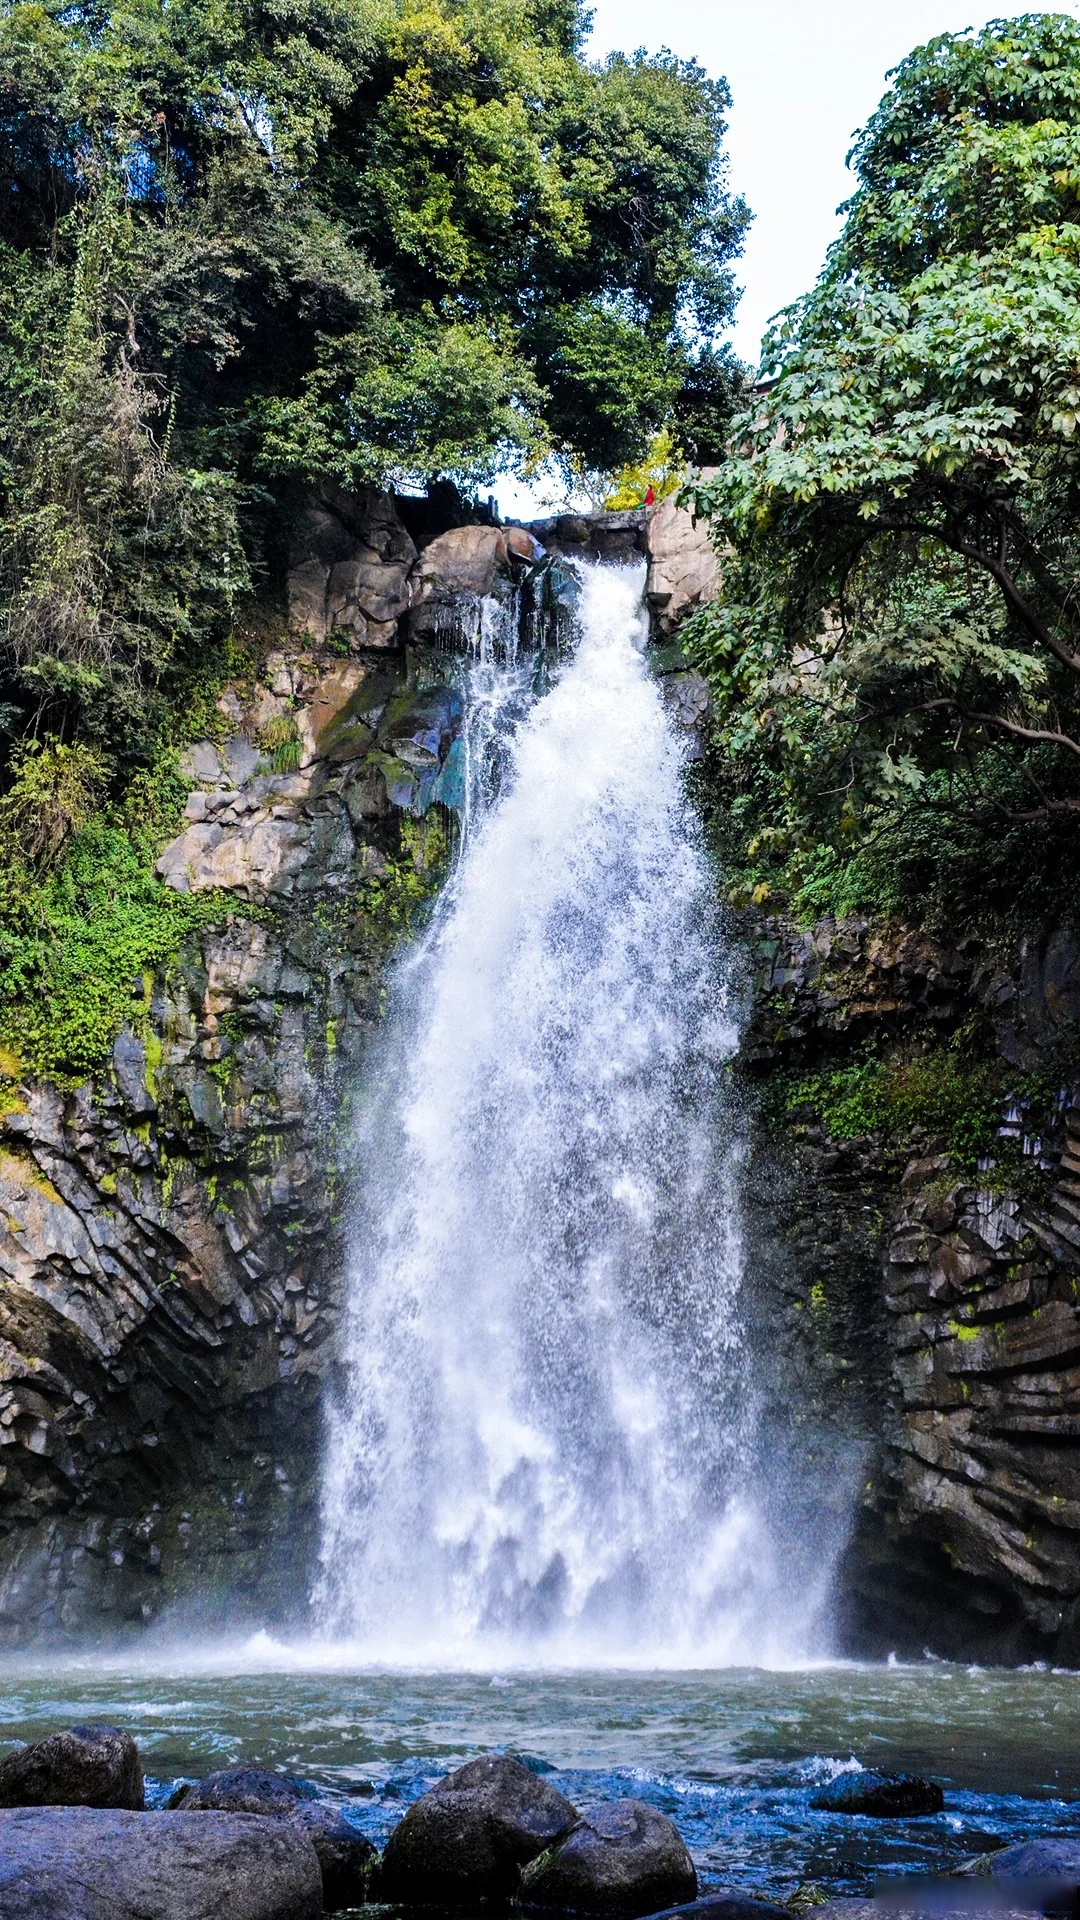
[(682, 572)]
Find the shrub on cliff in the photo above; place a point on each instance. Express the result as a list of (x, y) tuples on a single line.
[(896, 653)]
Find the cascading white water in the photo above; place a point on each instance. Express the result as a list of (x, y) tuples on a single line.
[(539, 1451)]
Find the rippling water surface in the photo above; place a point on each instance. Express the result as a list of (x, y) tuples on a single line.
[(732, 1757)]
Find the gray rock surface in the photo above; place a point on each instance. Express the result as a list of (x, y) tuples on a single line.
[(469, 1837), (71, 1863), (622, 1858), (344, 1854), (85, 1766), (349, 571), (1038, 1860)]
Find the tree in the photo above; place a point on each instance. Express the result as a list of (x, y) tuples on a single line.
[(902, 496), (245, 246)]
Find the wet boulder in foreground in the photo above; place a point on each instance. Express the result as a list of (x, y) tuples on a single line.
[(732, 1905), (883, 1796), (83, 1863), (469, 1837), (1050, 1859), (86, 1766), (344, 1854), (623, 1858)]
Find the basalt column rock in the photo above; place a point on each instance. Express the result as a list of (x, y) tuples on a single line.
[(924, 1307)]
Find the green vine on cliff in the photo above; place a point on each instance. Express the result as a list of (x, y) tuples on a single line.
[(937, 1092)]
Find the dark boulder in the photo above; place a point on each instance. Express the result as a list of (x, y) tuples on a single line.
[(470, 1836), (241, 1790), (883, 1796), (622, 1858), (88, 1766), (81, 1863), (344, 1854)]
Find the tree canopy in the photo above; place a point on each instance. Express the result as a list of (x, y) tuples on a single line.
[(900, 629), (245, 244)]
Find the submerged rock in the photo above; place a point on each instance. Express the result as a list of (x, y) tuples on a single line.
[(87, 1766), (344, 1855), (883, 1796), (469, 1837), (622, 1858), (81, 1863), (726, 1906)]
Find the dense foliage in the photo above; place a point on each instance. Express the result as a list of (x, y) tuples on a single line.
[(896, 655), (244, 246)]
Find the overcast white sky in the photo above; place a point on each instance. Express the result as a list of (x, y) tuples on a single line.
[(803, 77)]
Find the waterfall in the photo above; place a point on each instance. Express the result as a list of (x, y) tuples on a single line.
[(540, 1449)]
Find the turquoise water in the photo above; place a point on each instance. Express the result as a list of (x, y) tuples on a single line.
[(732, 1756)]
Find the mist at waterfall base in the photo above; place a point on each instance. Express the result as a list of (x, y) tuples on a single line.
[(544, 1446)]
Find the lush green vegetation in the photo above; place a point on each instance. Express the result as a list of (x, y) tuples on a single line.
[(896, 653), (243, 248), (246, 247), (83, 921), (944, 1092)]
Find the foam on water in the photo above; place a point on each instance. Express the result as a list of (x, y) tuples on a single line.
[(542, 1449)]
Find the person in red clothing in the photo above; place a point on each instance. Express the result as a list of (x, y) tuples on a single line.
[(650, 497)]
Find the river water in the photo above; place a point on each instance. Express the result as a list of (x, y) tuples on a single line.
[(731, 1756)]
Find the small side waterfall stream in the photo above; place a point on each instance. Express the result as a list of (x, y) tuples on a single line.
[(541, 1451)]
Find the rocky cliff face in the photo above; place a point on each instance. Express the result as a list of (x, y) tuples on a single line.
[(173, 1233), (927, 1299)]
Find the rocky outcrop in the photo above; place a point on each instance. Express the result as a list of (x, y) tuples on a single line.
[(349, 569), (926, 1306), (683, 564)]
